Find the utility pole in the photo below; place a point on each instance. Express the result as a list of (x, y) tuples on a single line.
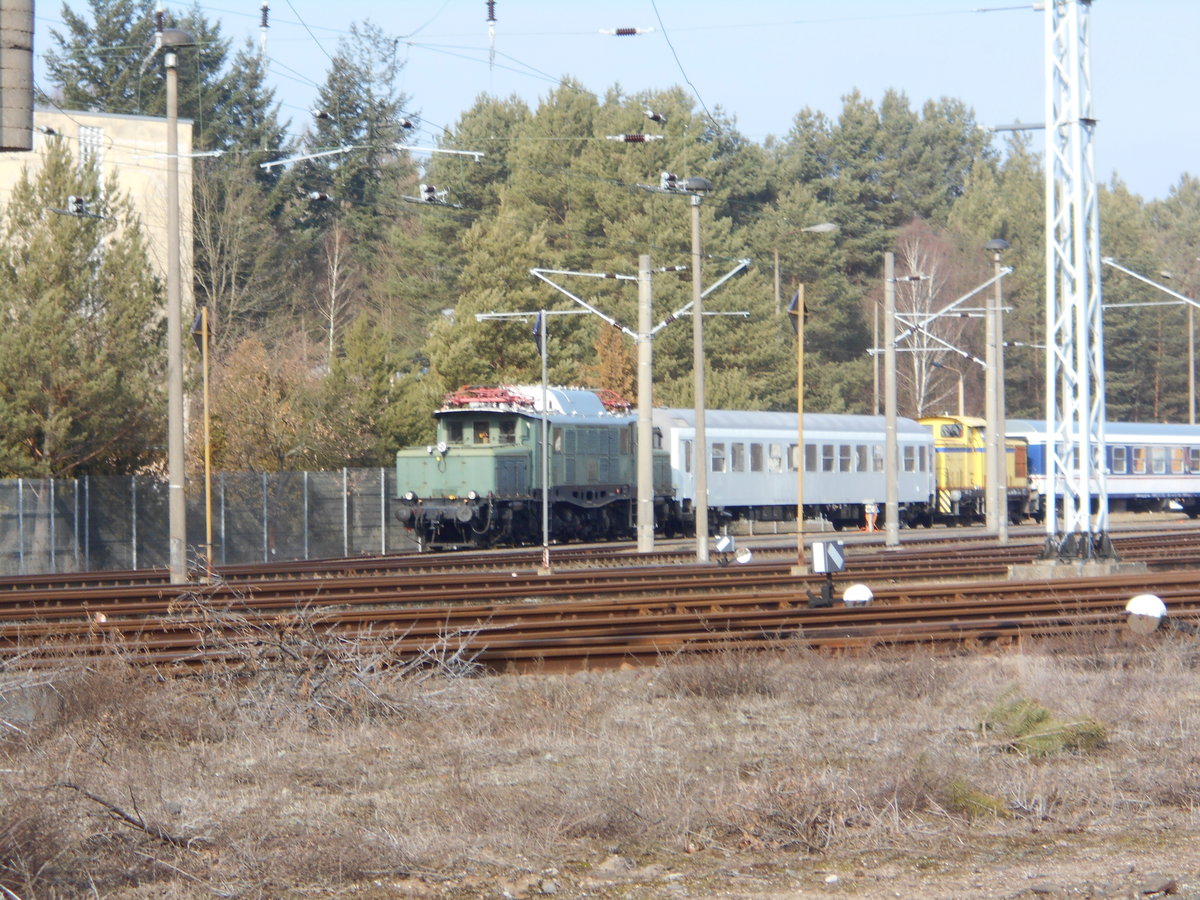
[(891, 464), (645, 425)]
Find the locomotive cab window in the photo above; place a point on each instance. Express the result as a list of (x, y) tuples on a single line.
[(454, 431), (952, 431), (483, 431), (508, 431)]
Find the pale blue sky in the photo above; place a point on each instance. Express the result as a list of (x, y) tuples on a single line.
[(764, 60)]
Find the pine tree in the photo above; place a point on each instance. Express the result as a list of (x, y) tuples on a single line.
[(81, 353), (105, 65)]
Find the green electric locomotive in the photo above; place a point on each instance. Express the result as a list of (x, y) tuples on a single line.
[(481, 483)]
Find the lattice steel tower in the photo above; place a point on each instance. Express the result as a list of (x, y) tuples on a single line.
[(1075, 464)]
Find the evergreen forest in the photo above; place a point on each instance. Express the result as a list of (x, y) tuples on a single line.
[(343, 300)]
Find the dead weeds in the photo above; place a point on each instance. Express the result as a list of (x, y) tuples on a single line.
[(320, 764)]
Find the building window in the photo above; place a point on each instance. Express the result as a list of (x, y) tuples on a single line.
[(91, 145)]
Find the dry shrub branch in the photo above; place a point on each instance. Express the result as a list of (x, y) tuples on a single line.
[(309, 760)]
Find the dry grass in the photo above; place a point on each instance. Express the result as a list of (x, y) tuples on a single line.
[(306, 772)]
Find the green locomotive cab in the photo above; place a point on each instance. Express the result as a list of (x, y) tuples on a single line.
[(481, 483)]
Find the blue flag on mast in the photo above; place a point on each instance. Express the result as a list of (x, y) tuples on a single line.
[(539, 331)]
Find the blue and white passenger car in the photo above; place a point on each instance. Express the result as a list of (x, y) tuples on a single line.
[(752, 460), (1149, 466)]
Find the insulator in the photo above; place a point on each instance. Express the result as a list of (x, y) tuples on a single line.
[(625, 32), (491, 5), (656, 117), (265, 8), (322, 114), (668, 181), (317, 195), (406, 123), (159, 15), (428, 193)]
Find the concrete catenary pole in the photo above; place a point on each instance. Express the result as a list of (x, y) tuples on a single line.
[(891, 464), (700, 457), (16, 75), (645, 426), (177, 508)]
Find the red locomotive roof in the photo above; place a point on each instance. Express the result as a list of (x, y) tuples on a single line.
[(474, 395)]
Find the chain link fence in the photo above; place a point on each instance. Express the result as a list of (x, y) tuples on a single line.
[(121, 522)]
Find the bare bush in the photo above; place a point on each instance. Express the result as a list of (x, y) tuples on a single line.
[(318, 763)]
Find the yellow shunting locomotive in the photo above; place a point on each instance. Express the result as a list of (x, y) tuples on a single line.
[(960, 451)]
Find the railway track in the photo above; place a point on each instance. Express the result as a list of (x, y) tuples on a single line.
[(586, 616)]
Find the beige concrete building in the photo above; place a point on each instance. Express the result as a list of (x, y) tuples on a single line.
[(133, 150)]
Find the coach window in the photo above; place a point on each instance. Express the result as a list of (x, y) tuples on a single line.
[(922, 459), (737, 458), (876, 458), (1120, 460), (454, 431), (483, 432), (1139, 460), (1178, 460), (844, 458), (827, 458), (1158, 460), (756, 457), (775, 458), (810, 458), (910, 459), (687, 456), (508, 431), (860, 458), (718, 457), (1195, 463)]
